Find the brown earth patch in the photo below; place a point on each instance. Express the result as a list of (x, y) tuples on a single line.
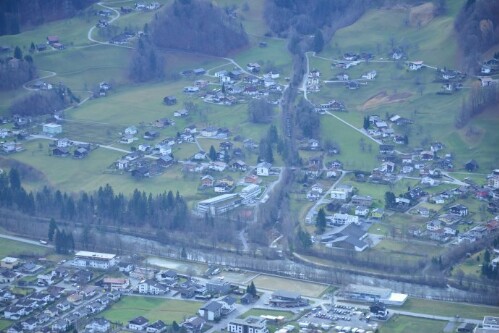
[(421, 15), (383, 98)]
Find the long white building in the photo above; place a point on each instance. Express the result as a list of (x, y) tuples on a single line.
[(251, 324), (94, 259)]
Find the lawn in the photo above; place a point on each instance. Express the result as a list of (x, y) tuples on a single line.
[(4, 323), (14, 248), (167, 310), (471, 266), (407, 247), (260, 312), (349, 141), (377, 191), (278, 283), (406, 324), (449, 309)]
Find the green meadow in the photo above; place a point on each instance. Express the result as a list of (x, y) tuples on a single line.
[(167, 310)]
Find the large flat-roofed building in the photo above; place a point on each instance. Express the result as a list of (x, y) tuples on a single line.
[(491, 324), (373, 294), (219, 204), (250, 324), (94, 259), (287, 299), (9, 262), (52, 128), (250, 192)]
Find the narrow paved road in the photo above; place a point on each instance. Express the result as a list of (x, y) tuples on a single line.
[(50, 74), (91, 30), (322, 200), (25, 240)]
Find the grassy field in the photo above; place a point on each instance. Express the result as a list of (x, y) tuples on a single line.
[(260, 312), (377, 191), (449, 309), (405, 324), (277, 283), (153, 309), (471, 266), (14, 248), (4, 323), (348, 141)]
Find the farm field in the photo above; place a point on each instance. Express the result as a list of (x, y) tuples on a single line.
[(167, 310), (258, 312), (14, 248), (406, 324), (4, 323), (448, 309), (277, 283)]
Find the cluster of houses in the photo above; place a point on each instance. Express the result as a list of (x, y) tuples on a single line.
[(235, 85), (47, 305), (64, 147), (490, 67)]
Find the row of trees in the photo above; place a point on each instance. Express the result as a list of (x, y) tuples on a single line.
[(43, 102), (163, 211), (146, 62), (479, 100), (308, 16), (15, 15)]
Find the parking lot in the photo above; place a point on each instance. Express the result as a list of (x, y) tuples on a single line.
[(342, 318)]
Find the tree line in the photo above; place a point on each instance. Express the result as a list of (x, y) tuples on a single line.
[(198, 26), (16, 69), (19, 15), (43, 102), (163, 211)]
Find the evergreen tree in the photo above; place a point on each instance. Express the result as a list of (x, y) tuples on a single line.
[(389, 199), (366, 123), (212, 154), (18, 54), (318, 42), (320, 222), (14, 179), (304, 238), (52, 229)]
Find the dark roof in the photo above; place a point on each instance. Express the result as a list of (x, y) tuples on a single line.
[(159, 324), (212, 306), (353, 230), (139, 321), (286, 294)]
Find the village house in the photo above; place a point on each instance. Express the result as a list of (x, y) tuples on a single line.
[(369, 75), (211, 311), (98, 325), (152, 287), (415, 65), (193, 324), (263, 169), (138, 324), (157, 327), (460, 210), (115, 283)]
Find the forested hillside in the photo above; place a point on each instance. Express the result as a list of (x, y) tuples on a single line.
[(307, 16), (19, 15), (198, 26), (478, 27)]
